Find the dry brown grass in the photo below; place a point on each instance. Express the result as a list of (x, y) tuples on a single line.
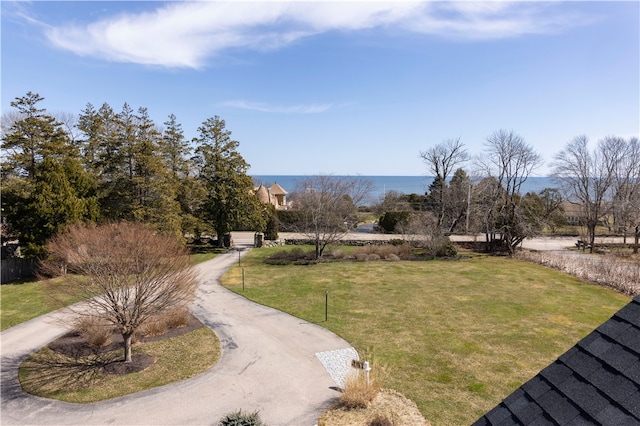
[(609, 271), (161, 323), (96, 331), (387, 252), (358, 392), (387, 408)]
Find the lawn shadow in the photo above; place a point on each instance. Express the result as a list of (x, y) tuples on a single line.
[(48, 372)]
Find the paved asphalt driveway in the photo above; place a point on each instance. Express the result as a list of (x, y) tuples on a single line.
[(268, 364)]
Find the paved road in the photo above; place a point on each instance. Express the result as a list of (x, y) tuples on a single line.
[(268, 364), (539, 243)]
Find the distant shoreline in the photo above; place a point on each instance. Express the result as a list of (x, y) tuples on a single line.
[(383, 184)]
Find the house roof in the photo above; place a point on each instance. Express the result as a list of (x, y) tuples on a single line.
[(595, 382), (276, 189), (263, 194)]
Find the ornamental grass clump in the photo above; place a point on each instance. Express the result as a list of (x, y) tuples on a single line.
[(239, 418), (386, 252), (95, 331), (159, 324), (357, 393), (359, 390)]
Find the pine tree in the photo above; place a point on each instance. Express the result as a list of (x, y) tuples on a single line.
[(32, 137), (229, 200), (126, 153), (153, 188), (176, 153), (45, 187)]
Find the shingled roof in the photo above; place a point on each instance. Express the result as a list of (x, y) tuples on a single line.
[(595, 382)]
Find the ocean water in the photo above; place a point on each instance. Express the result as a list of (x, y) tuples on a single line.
[(383, 184)]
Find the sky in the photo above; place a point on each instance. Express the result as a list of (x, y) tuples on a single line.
[(334, 87)]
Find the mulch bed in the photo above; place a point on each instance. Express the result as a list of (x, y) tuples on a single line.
[(74, 345)]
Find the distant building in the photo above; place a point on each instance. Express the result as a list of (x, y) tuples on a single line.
[(274, 195), (575, 215)]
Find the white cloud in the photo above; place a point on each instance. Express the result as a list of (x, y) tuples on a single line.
[(187, 34), (281, 109)]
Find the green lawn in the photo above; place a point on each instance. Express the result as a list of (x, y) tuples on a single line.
[(458, 336), (52, 375), (23, 300), (26, 299)]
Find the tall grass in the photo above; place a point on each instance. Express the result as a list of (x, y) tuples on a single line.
[(610, 272), (360, 387)]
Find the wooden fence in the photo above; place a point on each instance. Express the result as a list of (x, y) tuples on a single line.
[(15, 268)]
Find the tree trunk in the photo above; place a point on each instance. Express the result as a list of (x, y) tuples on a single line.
[(592, 236), (636, 240), (127, 346), (220, 236)]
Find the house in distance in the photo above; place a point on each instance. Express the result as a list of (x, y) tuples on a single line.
[(274, 195)]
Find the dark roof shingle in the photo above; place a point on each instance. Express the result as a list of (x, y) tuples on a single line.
[(595, 382)]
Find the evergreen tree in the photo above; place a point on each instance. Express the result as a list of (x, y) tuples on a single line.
[(45, 187), (229, 197), (176, 153), (458, 201), (125, 152), (32, 137), (154, 194)]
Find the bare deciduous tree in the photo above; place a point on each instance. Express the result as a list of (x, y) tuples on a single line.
[(421, 229), (587, 177), (442, 159), (509, 160), (125, 273), (626, 191), (329, 204)]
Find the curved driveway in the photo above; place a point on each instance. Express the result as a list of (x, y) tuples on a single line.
[(268, 364)]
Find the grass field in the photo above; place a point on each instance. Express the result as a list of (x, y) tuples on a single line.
[(458, 336), (23, 300), (52, 375)]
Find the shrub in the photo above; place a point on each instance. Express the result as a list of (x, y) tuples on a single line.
[(164, 321), (273, 225), (361, 256), (97, 332), (290, 220), (177, 317), (446, 248), (386, 250), (338, 254), (380, 420), (390, 220), (357, 393), (285, 257), (239, 418), (404, 251), (153, 327)]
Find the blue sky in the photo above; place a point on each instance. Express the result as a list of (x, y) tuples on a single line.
[(341, 88)]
